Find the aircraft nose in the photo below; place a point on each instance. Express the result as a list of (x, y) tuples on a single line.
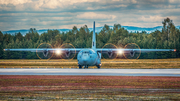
[(85, 58)]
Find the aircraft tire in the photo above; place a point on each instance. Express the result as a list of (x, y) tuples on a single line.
[(80, 67), (85, 67), (98, 67)]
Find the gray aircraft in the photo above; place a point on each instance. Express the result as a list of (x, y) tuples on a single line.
[(89, 56)]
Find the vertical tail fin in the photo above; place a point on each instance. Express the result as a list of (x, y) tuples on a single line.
[(94, 37)]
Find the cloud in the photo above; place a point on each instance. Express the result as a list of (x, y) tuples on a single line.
[(18, 14), (174, 1), (14, 2), (155, 18), (134, 1), (92, 15)]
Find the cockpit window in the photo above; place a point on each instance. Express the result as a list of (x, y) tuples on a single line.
[(88, 52), (85, 52)]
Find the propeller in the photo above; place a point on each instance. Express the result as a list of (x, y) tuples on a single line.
[(44, 54), (134, 53), (109, 54), (68, 54)]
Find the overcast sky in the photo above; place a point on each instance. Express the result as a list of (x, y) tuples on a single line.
[(59, 14)]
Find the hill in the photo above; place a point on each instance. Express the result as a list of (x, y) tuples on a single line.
[(98, 29)]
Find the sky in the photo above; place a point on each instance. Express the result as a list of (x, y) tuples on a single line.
[(64, 14)]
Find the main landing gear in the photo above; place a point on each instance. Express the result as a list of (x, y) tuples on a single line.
[(98, 66), (80, 67)]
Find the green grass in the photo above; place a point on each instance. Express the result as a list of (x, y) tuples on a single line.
[(106, 63)]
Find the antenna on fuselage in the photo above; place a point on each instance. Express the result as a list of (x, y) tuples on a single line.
[(94, 37)]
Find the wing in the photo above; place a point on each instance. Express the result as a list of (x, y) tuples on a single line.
[(45, 51), (76, 50), (73, 50), (133, 50)]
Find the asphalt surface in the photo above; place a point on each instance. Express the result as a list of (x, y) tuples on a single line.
[(93, 72)]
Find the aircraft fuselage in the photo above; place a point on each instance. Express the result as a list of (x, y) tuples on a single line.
[(89, 57)]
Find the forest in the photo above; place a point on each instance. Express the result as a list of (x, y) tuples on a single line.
[(167, 38)]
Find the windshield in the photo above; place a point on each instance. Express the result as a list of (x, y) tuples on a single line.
[(87, 52)]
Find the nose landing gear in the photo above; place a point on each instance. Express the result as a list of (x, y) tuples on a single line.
[(85, 67), (80, 67)]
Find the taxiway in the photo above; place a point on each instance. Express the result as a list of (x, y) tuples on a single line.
[(93, 72)]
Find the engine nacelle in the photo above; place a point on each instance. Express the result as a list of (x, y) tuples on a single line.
[(45, 53), (67, 53), (132, 53), (110, 53), (42, 51)]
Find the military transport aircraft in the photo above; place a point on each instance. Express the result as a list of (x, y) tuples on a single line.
[(89, 56)]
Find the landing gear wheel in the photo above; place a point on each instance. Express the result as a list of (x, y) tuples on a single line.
[(85, 67), (98, 66), (80, 67)]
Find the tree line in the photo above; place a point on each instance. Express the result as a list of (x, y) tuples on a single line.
[(167, 38)]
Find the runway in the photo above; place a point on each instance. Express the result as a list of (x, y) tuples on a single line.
[(93, 72)]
